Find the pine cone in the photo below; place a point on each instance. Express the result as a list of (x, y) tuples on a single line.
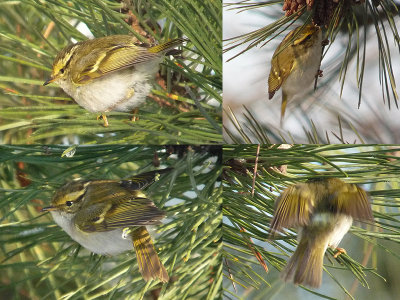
[(293, 6)]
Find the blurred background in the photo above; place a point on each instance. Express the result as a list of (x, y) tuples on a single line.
[(370, 268), (184, 107), (38, 260)]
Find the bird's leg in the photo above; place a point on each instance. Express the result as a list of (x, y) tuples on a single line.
[(324, 43), (104, 117), (319, 73), (339, 252), (134, 117)]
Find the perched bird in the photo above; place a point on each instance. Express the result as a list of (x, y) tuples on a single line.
[(111, 73), (323, 210), (109, 217), (295, 63)]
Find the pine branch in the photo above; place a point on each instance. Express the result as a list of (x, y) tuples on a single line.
[(374, 167), (39, 260), (33, 113)]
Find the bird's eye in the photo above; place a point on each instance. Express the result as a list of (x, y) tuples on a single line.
[(62, 70), (68, 203)]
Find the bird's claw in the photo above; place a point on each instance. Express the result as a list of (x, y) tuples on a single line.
[(340, 251)]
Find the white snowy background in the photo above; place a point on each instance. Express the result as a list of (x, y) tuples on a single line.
[(246, 83)]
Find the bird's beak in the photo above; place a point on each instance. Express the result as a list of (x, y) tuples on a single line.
[(50, 80), (48, 208)]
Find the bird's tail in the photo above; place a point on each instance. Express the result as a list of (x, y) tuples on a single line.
[(283, 106), (305, 265), (149, 263), (164, 47)]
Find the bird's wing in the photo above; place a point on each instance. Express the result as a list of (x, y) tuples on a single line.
[(293, 207), (113, 206), (351, 200), (115, 58), (141, 181), (282, 64)]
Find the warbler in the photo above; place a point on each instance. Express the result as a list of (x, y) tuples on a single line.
[(109, 217), (323, 210), (295, 63), (111, 73)]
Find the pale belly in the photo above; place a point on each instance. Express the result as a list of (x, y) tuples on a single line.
[(105, 243), (122, 91), (329, 228), (304, 73)]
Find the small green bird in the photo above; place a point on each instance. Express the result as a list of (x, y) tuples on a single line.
[(111, 73), (109, 217), (295, 63), (323, 209)]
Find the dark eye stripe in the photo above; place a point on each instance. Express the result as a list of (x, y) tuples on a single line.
[(72, 49), (79, 199), (67, 63)]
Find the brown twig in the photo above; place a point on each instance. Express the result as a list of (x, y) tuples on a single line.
[(230, 275), (257, 254), (255, 170)]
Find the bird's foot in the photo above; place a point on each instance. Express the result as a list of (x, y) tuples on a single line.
[(104, 117), (135, 117), (340, 251)]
